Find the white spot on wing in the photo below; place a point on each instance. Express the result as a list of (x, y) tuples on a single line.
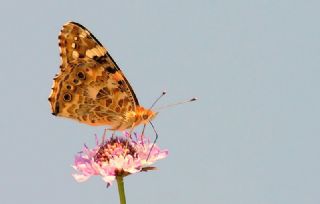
[(75, 54), (83, 35), (90, 53), (96, 51)]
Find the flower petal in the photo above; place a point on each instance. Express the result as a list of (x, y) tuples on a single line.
[(80, 177)]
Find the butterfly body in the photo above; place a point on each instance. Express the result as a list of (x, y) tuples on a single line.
[(90, 87)]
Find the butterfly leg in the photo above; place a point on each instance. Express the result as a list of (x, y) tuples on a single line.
[(130, 132), (113, 131), (155, 140), (104, 136), (144, 127)]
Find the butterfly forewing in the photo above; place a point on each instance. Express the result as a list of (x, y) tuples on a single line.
[(90, 87)]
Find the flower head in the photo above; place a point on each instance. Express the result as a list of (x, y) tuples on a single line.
[(117, 156)]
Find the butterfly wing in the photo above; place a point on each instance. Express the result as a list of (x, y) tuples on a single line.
[(90, 86)]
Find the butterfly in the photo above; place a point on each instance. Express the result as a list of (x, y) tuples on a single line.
[(90, 87)]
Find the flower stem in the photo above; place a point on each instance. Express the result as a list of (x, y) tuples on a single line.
[(122, 195)]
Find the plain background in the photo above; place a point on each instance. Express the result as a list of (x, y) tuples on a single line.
[(252, 138)]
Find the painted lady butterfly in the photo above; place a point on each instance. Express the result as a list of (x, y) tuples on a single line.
[(90, 86)]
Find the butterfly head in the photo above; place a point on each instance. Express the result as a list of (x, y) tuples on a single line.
[(149, 115), (146, 115)]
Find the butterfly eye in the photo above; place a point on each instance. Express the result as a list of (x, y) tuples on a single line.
[(145, 117), (81, 75), (67, 97)]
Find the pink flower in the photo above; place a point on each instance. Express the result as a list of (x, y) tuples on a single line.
[(118, 156)]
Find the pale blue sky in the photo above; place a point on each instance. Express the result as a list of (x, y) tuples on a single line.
[(252, 138)]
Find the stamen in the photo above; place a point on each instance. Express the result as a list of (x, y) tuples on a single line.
[(112, 148)]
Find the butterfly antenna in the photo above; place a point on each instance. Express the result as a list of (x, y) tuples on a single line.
[(154, 103), (155, 140), (179, 103)]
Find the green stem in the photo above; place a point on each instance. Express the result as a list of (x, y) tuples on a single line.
[(122, 195)]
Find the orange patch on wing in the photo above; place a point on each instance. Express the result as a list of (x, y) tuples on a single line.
[(117, 76)]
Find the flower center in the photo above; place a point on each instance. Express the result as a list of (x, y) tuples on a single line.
[(113, 148)]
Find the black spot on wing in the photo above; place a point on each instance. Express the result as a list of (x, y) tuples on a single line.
[(101, 59), (111, 70)]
